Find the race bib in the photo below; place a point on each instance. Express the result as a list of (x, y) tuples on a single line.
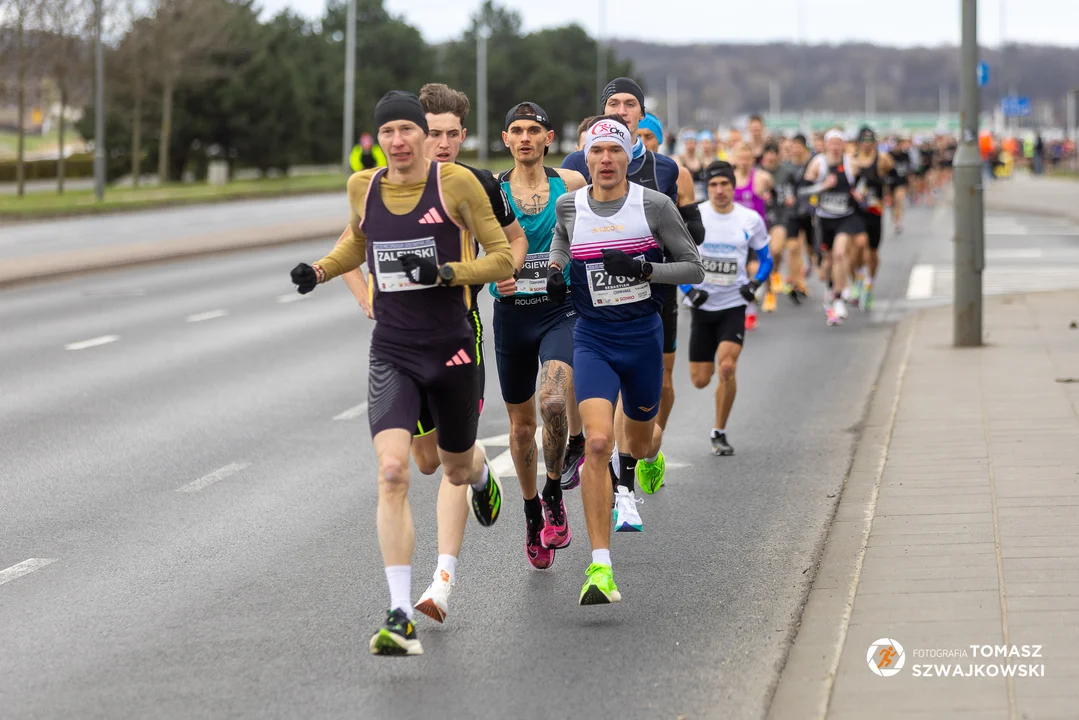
[(389, 274), (835, 203), (610, 290), (533, 276), (721, 271)]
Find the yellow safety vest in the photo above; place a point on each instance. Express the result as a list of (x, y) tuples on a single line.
[(376, 152)]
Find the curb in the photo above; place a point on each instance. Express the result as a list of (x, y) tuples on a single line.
[(805, 682), (54, 265)]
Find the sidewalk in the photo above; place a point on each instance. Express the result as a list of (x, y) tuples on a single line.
[(1034, 195), (958, 525)]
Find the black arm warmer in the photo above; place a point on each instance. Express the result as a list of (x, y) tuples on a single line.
[(691, 216)]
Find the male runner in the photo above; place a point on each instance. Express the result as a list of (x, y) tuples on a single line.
[(689, 160), (625, 98), (837, 214), (871, 167), (409, 222), (755, 126), (446, 110), (719, 302), (898, 179), (614, 236), (800, 227), (780, 207), (533, 334), (581, 131)]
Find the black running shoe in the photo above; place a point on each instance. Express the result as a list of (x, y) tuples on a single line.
[(571, 466), (486, 503), (720, 446), (396, 637)]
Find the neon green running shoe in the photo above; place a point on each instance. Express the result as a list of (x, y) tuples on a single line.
[(650, 475), (599, 588)]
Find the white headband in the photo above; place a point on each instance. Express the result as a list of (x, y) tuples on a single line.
[(833, 134), (608, 131)]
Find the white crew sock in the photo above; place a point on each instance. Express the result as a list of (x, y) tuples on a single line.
[(484, 477), (615, 463), (447, 564), (652, 459), (602, 557), (399, 578), (716, 432)]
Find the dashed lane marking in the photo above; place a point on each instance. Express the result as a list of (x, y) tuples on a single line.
[(352, 412), (208, 315), (216, 476), (92, 342), (24, 568)]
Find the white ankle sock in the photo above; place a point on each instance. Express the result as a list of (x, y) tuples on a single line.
[(718, 431), (447, 564), (482, 483), (652, 459), (399, 578), (602, 557)]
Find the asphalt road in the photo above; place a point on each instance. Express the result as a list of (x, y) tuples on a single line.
[(84, 233), (253, 591)]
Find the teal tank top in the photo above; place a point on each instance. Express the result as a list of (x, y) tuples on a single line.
[(539, 229)]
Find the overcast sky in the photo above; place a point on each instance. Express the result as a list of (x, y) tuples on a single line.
[(901, 22)]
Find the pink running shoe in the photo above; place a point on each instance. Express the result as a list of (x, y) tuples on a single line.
[(540, 557), (556, 533)]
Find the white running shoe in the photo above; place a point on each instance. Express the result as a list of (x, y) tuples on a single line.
[(845, 294), (840, 309), (626, 517), (435, 601)]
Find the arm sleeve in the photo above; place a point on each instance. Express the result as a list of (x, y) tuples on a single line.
[(671, 234), (466, 200), (759, 242), (691, 216), (350, 252), (560, 241)]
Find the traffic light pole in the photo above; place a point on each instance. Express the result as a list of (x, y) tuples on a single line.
[(969, 210)]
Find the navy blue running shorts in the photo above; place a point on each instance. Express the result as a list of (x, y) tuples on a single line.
[(624, 356), (529, 330)]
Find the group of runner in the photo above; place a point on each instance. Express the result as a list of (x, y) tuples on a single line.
[(582, 263)]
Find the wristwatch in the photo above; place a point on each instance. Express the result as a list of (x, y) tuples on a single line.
[(646, 271), (516, 274), (445, 272)]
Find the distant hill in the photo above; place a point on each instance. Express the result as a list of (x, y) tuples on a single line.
[(722, 81)]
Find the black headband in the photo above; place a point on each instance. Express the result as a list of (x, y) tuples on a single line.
[(400, 105), (721, 168), (621, 85)]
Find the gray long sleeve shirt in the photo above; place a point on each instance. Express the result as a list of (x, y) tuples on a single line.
[(683, 264)]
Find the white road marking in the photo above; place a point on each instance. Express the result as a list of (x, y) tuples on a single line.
[(352, 412), (496, 440), (24, 568), (675, 465), (216, 476), (920, 285), (208, 315), (92, 342), (502, 463), (1014, 253), (289, 298)]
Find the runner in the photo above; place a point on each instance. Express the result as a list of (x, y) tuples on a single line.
[(532, 335), (898, 179), (625, 98), (614, 236), (691, 162), (838, 218), (411, 232), (753, 188), (755, 126), (801, 229), (446, 110), (719, 302), (581, 131), (706, 144), (784, 245), (870, 167)]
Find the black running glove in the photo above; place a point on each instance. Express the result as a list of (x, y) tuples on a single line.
[(556, 285), (616, 262), (305, 278), (419, 270), (697, 297), (749, 290)]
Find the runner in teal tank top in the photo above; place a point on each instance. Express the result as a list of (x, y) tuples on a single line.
[(535, 336)]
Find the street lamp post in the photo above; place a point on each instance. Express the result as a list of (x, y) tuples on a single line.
[(99, 104), (601, 53), (348, 138), (969, 211), (481, 90)]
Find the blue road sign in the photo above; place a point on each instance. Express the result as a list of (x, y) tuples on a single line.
[(1015, 106), (983, 74)]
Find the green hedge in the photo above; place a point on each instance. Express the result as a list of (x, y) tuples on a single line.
[(77, 166)]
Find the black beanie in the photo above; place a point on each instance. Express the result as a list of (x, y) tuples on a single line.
[(621, 85), (400, 105)]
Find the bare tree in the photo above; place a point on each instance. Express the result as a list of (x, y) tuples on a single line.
[(66, 22), (26, 16), (186, 35), (134, 57)]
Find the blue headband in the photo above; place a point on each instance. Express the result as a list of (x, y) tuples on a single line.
[(651, 122)]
